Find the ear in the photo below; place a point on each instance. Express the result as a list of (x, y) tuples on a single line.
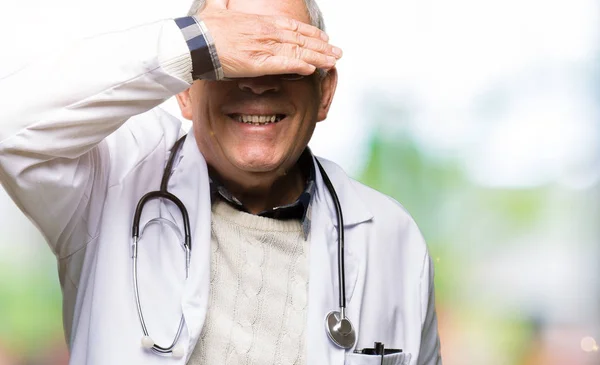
[(185, 104), (328, 85)]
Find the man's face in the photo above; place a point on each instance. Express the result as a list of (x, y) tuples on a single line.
[(262, 124)]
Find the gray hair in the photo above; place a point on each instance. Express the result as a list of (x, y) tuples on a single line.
[(316, 17)]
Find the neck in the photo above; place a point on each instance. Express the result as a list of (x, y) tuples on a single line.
[(262, 191)]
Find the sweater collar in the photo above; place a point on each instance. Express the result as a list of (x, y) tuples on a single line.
[(299, 209)]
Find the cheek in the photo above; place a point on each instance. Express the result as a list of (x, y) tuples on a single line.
[(204, 92), (205, 101), (313, 111), (199, 99)]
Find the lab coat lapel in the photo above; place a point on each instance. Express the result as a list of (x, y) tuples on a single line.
[(190, 183), (354, 212), (354, 209), (323, 275)]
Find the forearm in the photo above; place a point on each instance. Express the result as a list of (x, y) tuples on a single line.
[(64, 105), (58, 109)]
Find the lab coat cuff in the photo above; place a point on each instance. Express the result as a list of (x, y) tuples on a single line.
[(173, 53)]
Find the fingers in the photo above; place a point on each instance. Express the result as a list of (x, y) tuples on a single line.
[(302, 28), (309, 56), (292, 65), (310, 43), (216, 4), (252, 45)]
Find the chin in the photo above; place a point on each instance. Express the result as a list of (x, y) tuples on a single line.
[(257, 166), (257, 163)]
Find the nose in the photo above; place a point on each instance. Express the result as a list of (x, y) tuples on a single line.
[(259, 85)]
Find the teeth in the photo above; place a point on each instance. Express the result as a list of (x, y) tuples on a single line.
[(257, 119)]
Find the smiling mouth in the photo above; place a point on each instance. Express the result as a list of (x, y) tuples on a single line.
[(257, 119)]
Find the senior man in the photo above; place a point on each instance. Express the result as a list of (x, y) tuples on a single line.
[(237, 258)]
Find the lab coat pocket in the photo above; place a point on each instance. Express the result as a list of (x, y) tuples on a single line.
[(392, 359)]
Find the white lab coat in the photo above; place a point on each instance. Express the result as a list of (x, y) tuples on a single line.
[(77, 169)]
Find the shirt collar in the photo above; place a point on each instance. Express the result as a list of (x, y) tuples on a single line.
[(299, 209)]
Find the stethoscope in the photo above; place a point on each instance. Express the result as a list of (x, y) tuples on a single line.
[(339, 328)]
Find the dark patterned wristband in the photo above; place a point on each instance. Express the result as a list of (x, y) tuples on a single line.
[(205, 62)]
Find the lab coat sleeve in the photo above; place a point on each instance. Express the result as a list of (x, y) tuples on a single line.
[(429, 353), (56, 113)]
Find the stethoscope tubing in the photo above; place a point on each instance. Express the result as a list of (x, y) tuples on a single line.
[(155, 347), (340, 232), (187, 244), (135, 231)]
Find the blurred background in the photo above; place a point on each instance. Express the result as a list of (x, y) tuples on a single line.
[(482, 117)]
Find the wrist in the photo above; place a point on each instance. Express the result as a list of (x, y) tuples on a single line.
[(205, 61)]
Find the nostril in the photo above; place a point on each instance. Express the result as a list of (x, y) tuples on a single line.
[(258, 85)]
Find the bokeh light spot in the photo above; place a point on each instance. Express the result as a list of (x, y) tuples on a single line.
[(588, 344)]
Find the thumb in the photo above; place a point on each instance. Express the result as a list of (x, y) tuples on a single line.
[(216, 4)]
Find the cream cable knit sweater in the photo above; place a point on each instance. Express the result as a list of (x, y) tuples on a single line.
[(258, 291)]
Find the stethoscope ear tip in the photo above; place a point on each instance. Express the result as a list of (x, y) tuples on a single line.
[(177, 351), (147, 342)]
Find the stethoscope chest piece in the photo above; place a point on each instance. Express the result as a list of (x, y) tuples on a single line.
[(340, 330)]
